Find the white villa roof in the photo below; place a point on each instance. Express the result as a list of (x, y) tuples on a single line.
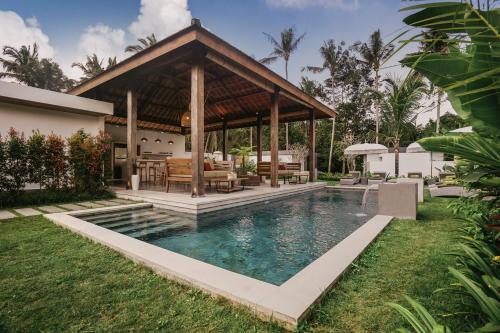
[(29, 96), (467, 129), (415, 147), (366, 148)]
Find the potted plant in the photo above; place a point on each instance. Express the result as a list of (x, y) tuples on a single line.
[(135, 177)]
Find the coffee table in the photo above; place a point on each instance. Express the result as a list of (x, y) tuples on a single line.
[(298, 177), (232, 185)]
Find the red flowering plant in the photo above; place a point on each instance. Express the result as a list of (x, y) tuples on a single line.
[(87, 155), (16, 166), (56, 162)]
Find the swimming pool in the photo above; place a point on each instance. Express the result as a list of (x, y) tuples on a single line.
[(270, 241)]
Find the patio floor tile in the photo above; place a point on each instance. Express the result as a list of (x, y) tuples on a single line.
[(107, 203), (89, 204), (51, 209), (122, 201), (71, 207), (5, 214), (27, 211)]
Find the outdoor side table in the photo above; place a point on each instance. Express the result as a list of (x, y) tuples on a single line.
[(232, 185), (298, 175)]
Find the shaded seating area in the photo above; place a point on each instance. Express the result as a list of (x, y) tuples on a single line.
[(286, 171), (192, 83)]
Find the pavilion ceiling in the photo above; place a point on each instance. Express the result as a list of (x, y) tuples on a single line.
[(162, 84)]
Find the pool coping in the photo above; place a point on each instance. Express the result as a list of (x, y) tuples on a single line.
[(287, 304)]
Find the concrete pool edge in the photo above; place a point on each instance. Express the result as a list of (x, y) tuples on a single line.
[(287, 304)]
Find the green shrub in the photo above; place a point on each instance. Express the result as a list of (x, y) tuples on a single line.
[(37, 152), (87, 155), (16, 163), (56, 163), (48, 196)]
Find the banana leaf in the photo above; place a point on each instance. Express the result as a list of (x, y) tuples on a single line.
[(471, 78), (479, 150)]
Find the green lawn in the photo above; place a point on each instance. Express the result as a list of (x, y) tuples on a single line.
[(54, 281)]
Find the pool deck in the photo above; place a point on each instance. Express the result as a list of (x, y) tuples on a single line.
[(286, 304), (212, 201)]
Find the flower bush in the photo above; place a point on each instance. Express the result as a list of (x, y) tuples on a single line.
[(59, 166)]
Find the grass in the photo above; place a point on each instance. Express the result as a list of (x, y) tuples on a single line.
[(53, 280)]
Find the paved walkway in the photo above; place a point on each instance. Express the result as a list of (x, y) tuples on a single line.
[(58, 208)]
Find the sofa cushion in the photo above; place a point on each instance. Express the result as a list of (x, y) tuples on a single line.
[(216, 174), (207, 166)]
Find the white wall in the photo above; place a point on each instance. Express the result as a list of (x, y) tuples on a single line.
[(119, 134), (27, 118), (408, 162)]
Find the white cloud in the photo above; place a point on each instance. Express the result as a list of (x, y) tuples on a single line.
[(161, 17), (342, 4), (15, 31), (103, 41)]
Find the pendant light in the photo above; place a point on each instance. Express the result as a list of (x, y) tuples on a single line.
[(186, 117)]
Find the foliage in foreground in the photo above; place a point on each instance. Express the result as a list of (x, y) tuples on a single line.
[(93, 288), (78, 167), (470, 77)]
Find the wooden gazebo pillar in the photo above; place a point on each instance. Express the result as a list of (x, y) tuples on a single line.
[(197, 125), (224, 140), (312, 146), (259, 138), (131, 134), (274, 124)]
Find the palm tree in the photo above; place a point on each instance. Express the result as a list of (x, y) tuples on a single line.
[(144, 43), (435, 42), (288, 44), (24, 66), (399, 103), (93, 66), (374, 53), (331, 55), (20, 64)]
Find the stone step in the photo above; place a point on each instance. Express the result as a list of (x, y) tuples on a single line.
[(142, 224), (27, 211)]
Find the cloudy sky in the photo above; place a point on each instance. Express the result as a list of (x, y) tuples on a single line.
[(69, 30)]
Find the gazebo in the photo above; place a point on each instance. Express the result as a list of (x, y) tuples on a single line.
[(192, 82), (365, 149)]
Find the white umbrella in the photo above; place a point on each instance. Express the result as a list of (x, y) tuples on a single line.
[(364, 149), (467, 129), (415, 147)]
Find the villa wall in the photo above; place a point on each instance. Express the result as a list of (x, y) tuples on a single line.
[(408, 162), (119, 135), (26, 118)]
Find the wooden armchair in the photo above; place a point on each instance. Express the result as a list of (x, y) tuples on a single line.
[(178, 170)]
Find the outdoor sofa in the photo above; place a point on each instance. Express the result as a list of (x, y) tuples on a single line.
[(285, 170)]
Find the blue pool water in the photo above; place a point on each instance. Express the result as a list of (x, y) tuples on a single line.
[(271, 241)]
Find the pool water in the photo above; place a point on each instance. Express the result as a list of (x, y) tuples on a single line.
[(271, 241)]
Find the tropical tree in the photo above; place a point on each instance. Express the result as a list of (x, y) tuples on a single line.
[(435, 41), (93, 66), (401, 99), (19, 64), (374, 53), (283, 48), (24, 66), (469, 75), (144, 43), (332, 56)]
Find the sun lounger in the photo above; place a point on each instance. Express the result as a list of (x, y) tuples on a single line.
[(351, 178)]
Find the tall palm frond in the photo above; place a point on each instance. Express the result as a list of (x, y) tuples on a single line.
[(19, 64), (374, 53), (93, 66), (144, 43), (283, 48)]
